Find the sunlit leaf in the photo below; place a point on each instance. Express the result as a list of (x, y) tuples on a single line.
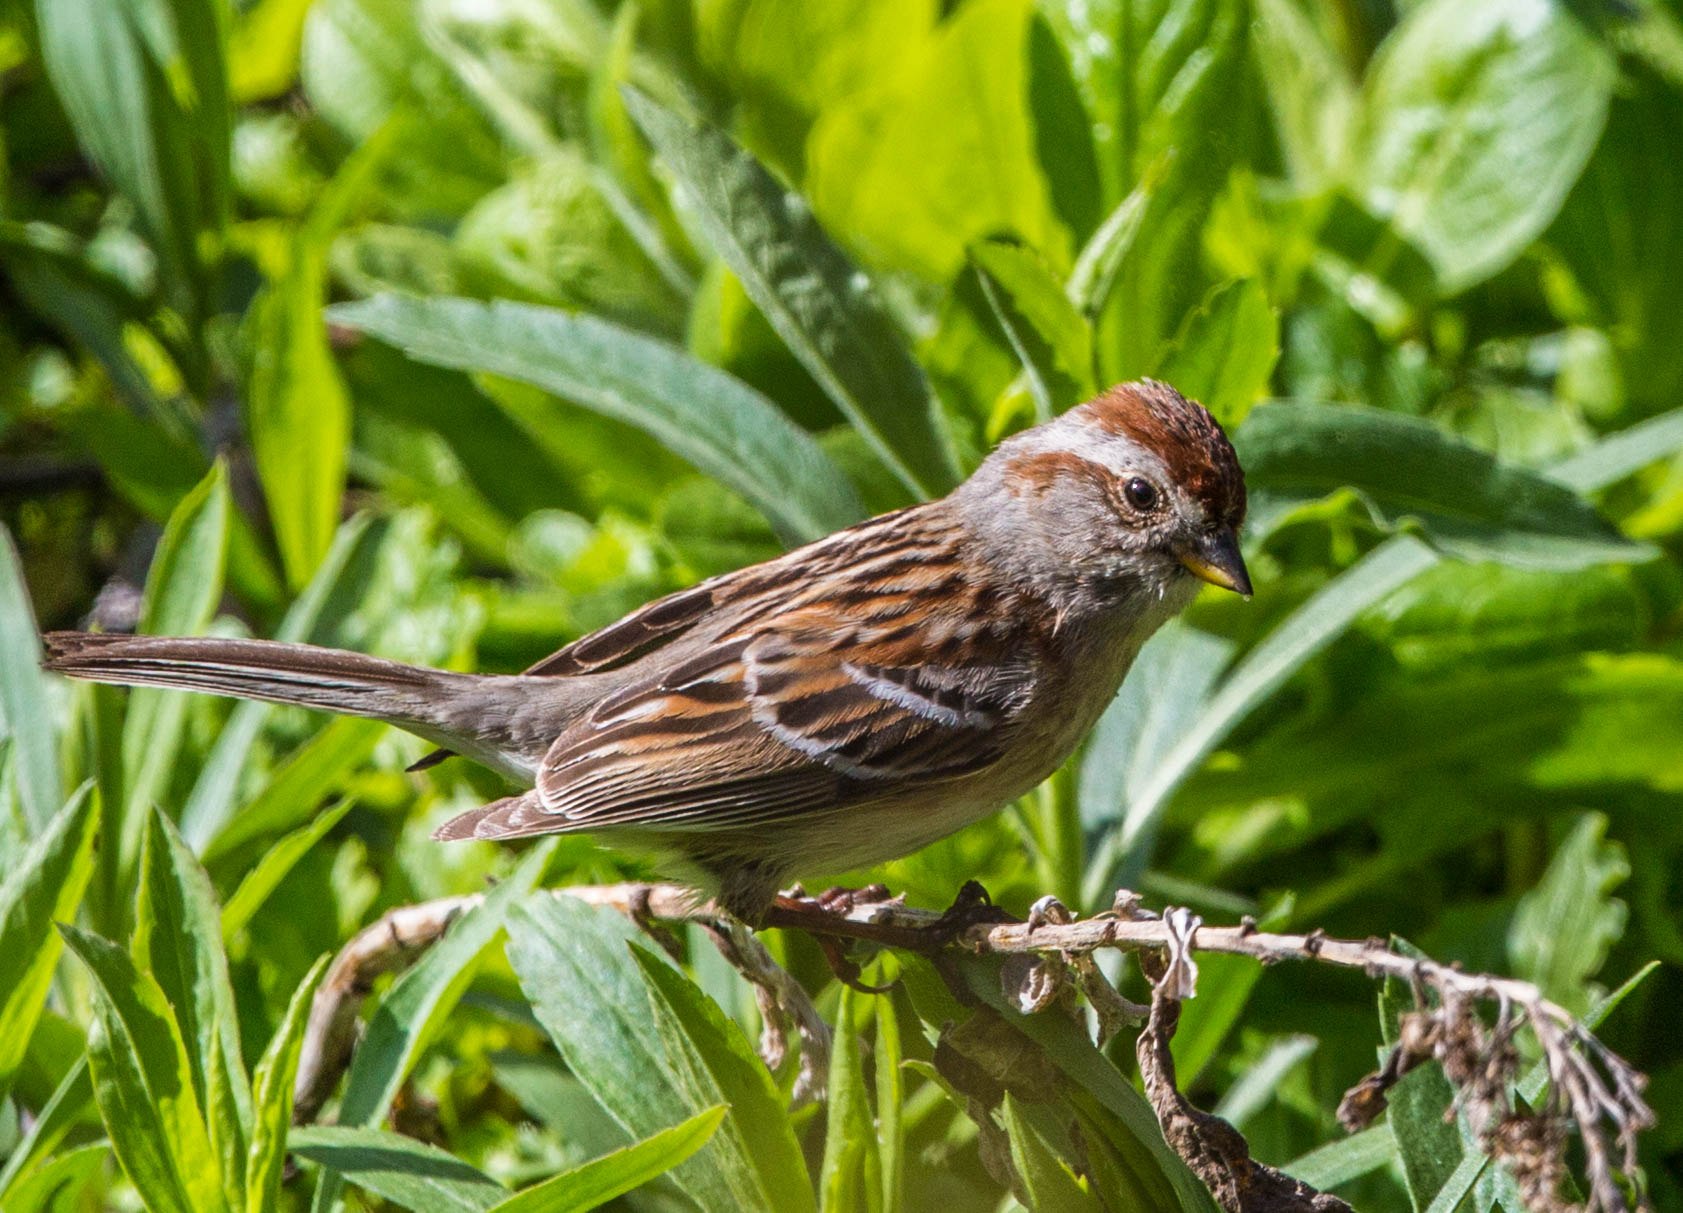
[(592, 1184), (716, 422), (24, 719), (397, 1168)]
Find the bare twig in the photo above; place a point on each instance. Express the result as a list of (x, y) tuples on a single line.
[(1591, 1089)]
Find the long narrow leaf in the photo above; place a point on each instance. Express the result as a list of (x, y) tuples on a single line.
[(717, 422), (399, 1169), (143, 1084), (1304, 633), (45, 885), (24, 718), (178, 940), (271, 1096), (819, 303), (593, 1184)]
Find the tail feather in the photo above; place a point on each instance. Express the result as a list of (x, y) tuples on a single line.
[(506, 722), (298, 674)]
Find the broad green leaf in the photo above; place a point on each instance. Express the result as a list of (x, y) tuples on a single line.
[(143, 1084), (1051, 339), (1225, 352), (1307, 631), (590, 995), (846, 1182), (1046, 1177), (1410, 474), (600, 1180), (788, 63), (1563, 928), (1618, 238), (699, 1033), (413, 1010), (1309, 89), (1431, 1147), (1154, 75), (298, 788), (277, 861), (183, 589), (820, 304), (942, 153), (263, 49), (26, 723), (399, 1169), (1170, 1185), (271, 1094), (1569, 725), (1474, 124), (43, 885), (211, 803), (178, 942), (146, 93), (715, 421)]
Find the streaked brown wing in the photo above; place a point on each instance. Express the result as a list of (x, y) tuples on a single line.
[(816, 707)]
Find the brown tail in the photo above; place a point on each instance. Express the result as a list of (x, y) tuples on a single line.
[(477, 715)]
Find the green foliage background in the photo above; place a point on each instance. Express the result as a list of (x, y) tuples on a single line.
[(622, 295)]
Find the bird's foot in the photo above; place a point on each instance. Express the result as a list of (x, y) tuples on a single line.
[(972, 907), (820, 916)]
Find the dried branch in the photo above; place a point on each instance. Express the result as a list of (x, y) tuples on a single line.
[(1591, 1089)]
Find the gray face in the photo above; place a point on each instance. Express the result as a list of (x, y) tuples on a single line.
[(1096, 516)]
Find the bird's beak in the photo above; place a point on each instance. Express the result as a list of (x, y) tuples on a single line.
[(1215, 558)]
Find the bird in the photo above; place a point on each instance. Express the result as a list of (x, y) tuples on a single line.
[(837, 706)]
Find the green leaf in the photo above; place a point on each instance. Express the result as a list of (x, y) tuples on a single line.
[(397, 1168), (1622, 454), (1474, 124), (700, 1034), (145, 89), (49, 1186), (1431, 1147), (718, 423), (413, 1010), (211, 803), (24, 718), (1052, 340), (1225, 352), (1337, 1163), (309, 775), (1309, 90), (271, 1093), (819, 303), (891, 1099), (298, 415), (1307, 631), (43, 885), (590, 995), (941, 154), (600, 1180), (143, 1084), (845, 1182), (178, 942), (277, 861), (1410, 474), (1165, 1180), (55, 1119), (1564, 927), (1049, 1182), (183, 589)]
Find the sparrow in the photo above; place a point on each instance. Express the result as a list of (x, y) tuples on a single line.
[(837, 706)]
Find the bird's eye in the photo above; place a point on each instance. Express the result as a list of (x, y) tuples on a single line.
[(1141, 494)]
